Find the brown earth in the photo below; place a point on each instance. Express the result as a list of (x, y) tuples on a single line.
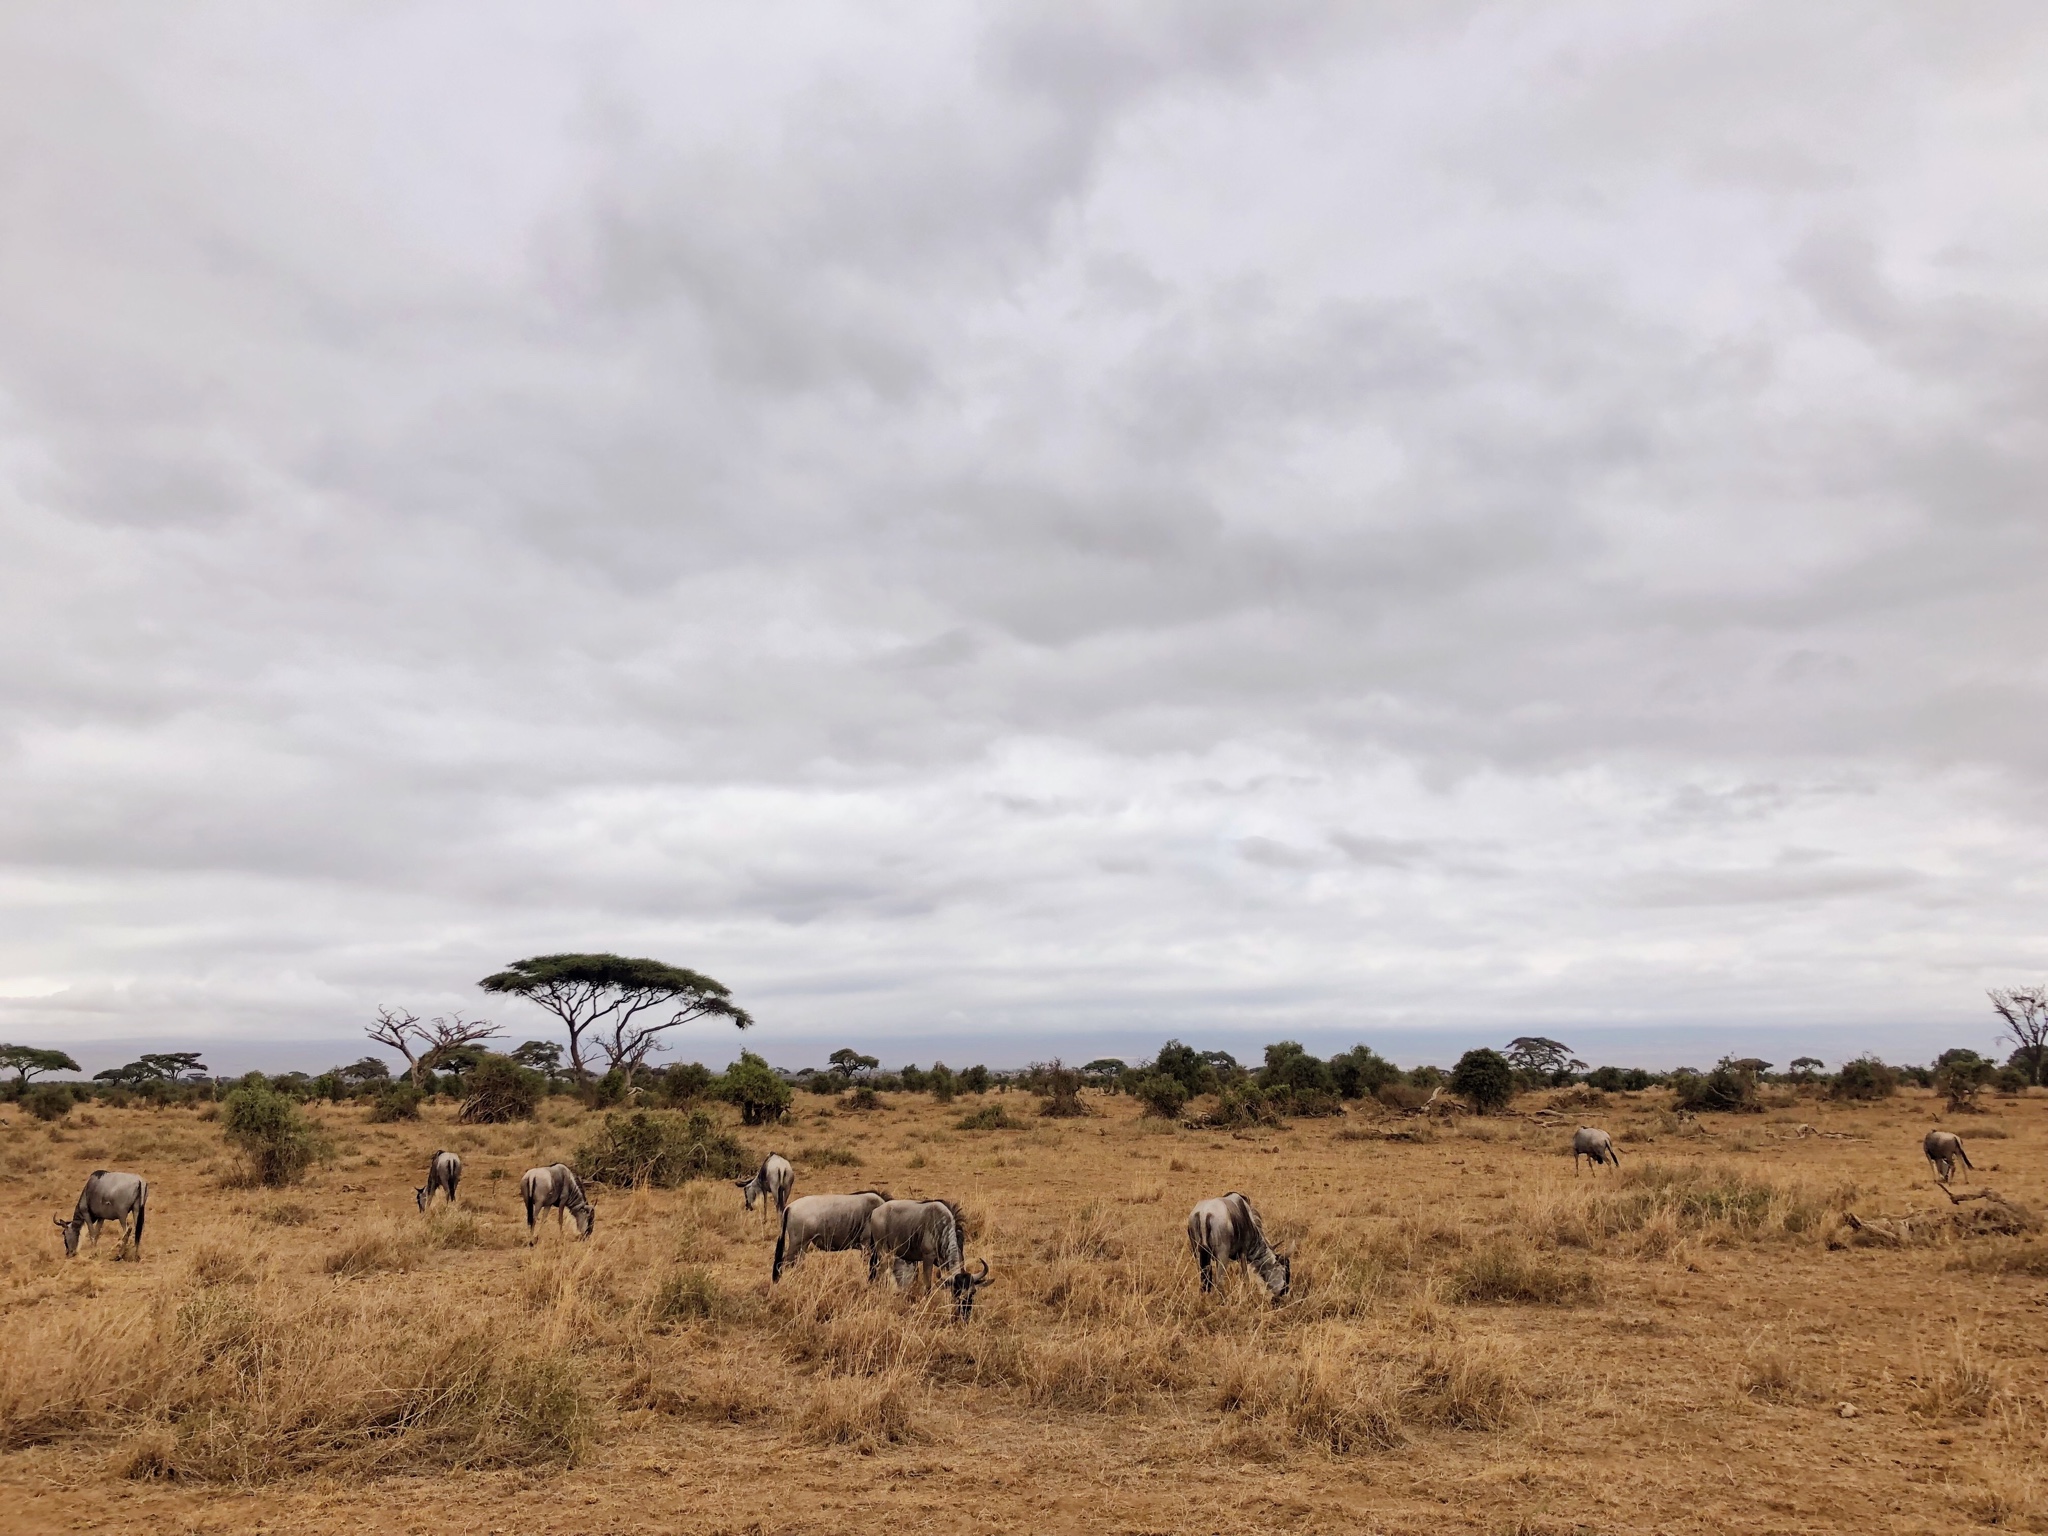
[(1478, 1339)]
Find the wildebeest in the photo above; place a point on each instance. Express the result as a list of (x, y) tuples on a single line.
[(1943, 1149), (1228, 1231), (923, 1237), (443, 1173), (555, 1186), (774, 1180), (831, 1223), (1595, 1146), (122, 1197)]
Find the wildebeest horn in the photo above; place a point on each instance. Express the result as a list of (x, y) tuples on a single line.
[(59, 1221), (982, 1278)]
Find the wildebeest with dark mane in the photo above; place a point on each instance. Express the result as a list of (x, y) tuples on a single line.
[(122, 1197), (923, 1237), (1944, 1150), (444, 1172), (555, 1186), (831, 1223), (1228, 1231), (1595, 1146), (772, 1181)]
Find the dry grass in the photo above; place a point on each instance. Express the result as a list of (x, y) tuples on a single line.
[(1450, 1294)]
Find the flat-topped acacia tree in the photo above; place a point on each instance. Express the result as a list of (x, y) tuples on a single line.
[(624, 1005)]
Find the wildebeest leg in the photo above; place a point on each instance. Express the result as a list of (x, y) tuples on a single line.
[(1208, 1280)]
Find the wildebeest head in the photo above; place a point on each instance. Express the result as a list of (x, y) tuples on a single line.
[(1278, 1273), (419, 1196), (585, 1220), (964, 1287), (70, 1231)]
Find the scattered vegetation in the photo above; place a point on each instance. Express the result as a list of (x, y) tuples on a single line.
[(662, 1148), (271, 1132)]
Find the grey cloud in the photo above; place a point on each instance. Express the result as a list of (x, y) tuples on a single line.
[(941, 524)]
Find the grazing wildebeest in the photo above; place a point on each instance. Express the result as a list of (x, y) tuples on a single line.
[(443, 1173), (1595, 1146), (121, 1197), (555, 1186), (774, 1180), (831, 1223), (923, 1237), (1943, 1149), (1227, 1231)]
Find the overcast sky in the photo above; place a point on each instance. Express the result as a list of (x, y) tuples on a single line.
[(1002, 529)]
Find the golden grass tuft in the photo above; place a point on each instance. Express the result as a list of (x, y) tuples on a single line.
[(863, 1413), (221, 1386), (1504, 1270)]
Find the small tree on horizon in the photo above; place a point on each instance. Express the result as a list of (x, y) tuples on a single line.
[(1483, 1079), (25, 1061), (624, 1004), (1542, 1057), (2025, 1011)]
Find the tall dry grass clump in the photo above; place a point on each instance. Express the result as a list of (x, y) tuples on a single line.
[(1648, 1209), (228, 1385)]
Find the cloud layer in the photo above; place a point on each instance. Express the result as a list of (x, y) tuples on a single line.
[(1015, 523)]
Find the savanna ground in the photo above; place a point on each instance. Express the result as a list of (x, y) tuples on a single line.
[(1478, 1340)]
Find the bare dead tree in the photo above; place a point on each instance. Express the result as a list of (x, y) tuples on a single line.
[(399, 1029), (2025, 1011), (446, 1035)]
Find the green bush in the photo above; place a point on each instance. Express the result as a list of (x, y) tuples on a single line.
[(272, 1132), (663, 1149), (1361, 1072), (48, 1101), (684, 1083), (1245, 1104), (942, 1083), (1483, 1079), (757, 1088), (1961, 1075), (1865, 1078), (1163, 1095), (862, 1098), (1731, 1088), (501, 1090), (975, 1079), (2010, 1081), (1060, 1086), (400, 1101), (1290, 1067), (1618, 1079)]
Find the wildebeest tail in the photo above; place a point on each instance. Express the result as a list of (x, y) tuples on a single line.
[(141, 1211), (1964, 1155), (781, 1237)]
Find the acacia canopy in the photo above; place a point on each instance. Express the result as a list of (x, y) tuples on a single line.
[(624, 1004), (25, 1061)]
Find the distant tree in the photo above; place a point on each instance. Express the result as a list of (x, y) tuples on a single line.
[(1540, 1057), (27, 1061), (2025, 1011), (975, 1079), (1186, 1066), (1961, 1075), (625, 1005), (399, 1029), (1362, 1072), (1731, 1087), (153, 1067), (271, 1131), (365, 1072), (942, 1083), (1290, 1066), (1865, 1078), (453, 1043), (850, 1062), (1804, 1068), (1483, 1079), (542, 1056), (1103, 1072)]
